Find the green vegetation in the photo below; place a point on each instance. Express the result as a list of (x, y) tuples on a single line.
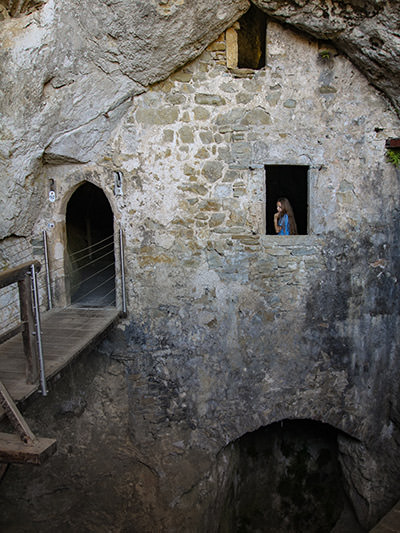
[(393, 155), (324, 54)]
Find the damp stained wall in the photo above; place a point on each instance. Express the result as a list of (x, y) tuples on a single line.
[(239, 329)]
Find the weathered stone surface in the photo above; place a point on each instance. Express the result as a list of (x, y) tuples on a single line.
[(86, 68), (364, 31), (142, 45), (236, 329)]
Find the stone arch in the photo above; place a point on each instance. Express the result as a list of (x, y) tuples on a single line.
[(89, 261), (286, 476)]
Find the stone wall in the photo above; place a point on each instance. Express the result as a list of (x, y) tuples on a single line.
[(230, 329)]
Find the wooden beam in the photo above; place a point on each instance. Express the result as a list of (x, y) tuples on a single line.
[(17, 274), (24, 447), (11, 333), (15, 417), (393, 143), (13, 450)]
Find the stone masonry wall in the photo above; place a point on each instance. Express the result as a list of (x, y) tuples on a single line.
[(230, 329)]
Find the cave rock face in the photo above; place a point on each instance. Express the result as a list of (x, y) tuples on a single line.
[(236, 329), (69, 72), (365, 31)]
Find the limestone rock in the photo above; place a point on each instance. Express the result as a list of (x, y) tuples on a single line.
[(367, 32), (69, 73)]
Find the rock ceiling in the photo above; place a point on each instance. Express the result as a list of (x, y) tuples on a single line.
[(368, 32), (71, 67)]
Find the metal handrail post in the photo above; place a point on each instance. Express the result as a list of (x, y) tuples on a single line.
[(38, 331), (122, 265), (46, 262)]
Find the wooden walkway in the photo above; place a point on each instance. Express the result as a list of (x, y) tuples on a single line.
[(65, 334)]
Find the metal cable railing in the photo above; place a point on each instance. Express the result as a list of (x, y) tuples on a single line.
[(92, 247), (89, 277)]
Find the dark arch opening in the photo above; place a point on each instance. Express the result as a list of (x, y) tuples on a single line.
[(286, 478), (252, 39), (90, 262)]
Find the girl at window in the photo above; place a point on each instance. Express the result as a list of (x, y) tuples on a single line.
[(284, 221)]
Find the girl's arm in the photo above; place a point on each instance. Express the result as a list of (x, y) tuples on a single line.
[(277, 227)]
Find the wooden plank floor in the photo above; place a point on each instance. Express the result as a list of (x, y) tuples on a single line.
[(65, 334)]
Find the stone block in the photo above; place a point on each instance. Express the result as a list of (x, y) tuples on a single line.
[(194, 188), (209, 205), (181, 76), (244, 98), (206, 137), (156, 117), (327, 89), (202, 153), (216, 219), (235, 116), (223, 191), (273, 98), (201, 113), (186, 134), (257, 117), (176, 99), (168, 136), (290, 104), (209, 99)]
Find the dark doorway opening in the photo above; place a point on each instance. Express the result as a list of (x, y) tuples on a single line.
[(252, 39), (90, 262), (286, 478), (291, 182)]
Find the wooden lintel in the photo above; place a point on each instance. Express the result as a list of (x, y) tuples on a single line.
[(393, 143), (13, 450)]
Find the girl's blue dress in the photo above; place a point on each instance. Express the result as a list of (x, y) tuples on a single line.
[(283, 222)]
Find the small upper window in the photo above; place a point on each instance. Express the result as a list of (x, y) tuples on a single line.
[(291, 182), (246, 41)]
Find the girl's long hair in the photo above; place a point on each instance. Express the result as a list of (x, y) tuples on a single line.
[(287, 209)]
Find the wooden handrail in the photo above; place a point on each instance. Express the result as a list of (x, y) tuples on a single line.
[(22, 275), (17, 273)]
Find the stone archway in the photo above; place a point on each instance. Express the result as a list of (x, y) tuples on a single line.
[(89, 258), (285, 477)]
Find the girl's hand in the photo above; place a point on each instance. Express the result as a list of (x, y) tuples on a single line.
[(276, 215)]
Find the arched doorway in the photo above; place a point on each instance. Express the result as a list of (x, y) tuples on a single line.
[(285, 478), (90, 262)]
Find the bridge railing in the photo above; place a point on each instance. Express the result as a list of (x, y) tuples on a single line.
[(25, 277)]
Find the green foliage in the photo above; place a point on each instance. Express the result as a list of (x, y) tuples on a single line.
[(393, 155), (324, 54)]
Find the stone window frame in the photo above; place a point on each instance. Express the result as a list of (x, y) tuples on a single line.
[(311, 180), (232, 51)]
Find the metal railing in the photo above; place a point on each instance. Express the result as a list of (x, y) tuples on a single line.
[(90, 274), (91, 278)]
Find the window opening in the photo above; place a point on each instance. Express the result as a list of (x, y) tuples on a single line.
[(90, 262), (252, 39), (291, 182)]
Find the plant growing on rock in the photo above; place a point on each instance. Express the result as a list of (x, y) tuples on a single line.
[(393, 156)]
